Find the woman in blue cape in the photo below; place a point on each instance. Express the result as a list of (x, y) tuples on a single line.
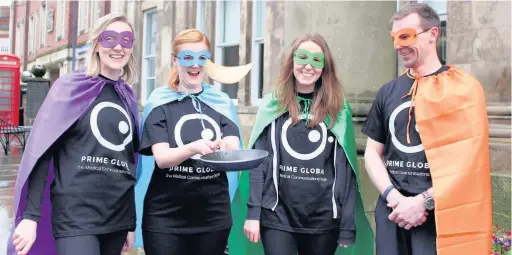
[(82, 156), (183, 206)]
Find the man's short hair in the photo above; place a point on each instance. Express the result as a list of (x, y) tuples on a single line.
[(428, 16)]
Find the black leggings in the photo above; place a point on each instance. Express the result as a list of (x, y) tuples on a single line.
[(277, 242), (185, 244), (104, 244)]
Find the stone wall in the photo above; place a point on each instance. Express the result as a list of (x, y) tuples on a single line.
[(479, 42)]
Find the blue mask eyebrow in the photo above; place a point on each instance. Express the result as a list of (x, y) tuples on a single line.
[(195, 57)]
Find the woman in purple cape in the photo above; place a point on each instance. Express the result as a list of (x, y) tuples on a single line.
[(75, 187)]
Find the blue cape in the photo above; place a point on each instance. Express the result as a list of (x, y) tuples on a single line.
[(218, 101)]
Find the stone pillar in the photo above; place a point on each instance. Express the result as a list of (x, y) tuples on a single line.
[(479, 42), (274, 42), (244, 86), (165, 22), (37, 89)]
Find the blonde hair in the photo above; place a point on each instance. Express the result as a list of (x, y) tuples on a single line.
[(185, 36), (129, 71)]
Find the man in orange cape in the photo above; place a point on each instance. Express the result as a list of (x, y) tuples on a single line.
[(428, 150)]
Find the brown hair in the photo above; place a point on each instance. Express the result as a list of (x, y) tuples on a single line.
[(328, 93), (428, 16), (185, 36)]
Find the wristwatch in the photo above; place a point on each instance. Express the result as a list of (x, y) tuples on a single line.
[(429, 201)]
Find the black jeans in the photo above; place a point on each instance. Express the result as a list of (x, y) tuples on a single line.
[(277, 242), (104, 244), (185, 244)]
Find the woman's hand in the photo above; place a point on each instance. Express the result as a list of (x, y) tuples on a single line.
[(252, 230), (203, 146), (24, 236), (130, 239)]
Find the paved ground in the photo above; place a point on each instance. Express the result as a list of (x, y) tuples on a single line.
[(8, 170)]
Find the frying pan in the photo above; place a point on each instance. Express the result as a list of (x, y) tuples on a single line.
[(234, 160)]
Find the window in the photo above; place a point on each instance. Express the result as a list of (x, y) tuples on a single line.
[(61, 11), (17, 46), (441, 9), (42, 25), (31, 35), (258, 33), (5, 12), (149, 53), (96, 12), (83, 16), (200, 15), (227, 40), (20, 39)]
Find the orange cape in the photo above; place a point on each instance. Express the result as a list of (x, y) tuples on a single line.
[(451, 117)]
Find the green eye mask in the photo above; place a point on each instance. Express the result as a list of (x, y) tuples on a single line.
[(304, 57)]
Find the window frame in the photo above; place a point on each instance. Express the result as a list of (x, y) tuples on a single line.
[(31, 35), (256, 53), (219, 40), (200, 15), (83, 17), (42, 25), (61, 9), (145, 57)]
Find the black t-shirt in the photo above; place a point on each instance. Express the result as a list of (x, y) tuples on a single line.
[(94, 160), (306, 177), (387, 123), (190, 197)]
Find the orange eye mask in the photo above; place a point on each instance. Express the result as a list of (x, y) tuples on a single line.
[(405, 37)]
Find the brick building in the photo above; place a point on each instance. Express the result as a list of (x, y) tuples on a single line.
[(43, 33), (4, 29)]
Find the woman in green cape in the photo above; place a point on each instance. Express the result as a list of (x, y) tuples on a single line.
[(304, 198)]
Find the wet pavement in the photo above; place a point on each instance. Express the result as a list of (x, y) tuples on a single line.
[(8, 169)]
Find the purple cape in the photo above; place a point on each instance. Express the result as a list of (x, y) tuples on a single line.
[(68, 99)]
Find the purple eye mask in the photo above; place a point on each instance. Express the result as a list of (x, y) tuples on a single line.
[(110, 39)]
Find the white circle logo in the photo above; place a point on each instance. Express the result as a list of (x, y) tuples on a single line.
[(123, 126), (205, 134), (313, 136), (398, 144)]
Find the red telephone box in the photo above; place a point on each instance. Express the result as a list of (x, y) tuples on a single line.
[(9, 89)]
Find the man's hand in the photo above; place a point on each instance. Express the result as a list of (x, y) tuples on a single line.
[(130, 239), (409, 212), (394, 197)]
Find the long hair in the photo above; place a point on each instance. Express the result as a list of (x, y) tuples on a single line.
[(328, 92), (129, 71), (185, 36)]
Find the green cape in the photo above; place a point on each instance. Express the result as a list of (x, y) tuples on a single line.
[(344, 131)]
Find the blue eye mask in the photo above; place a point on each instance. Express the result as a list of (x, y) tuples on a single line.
[(189, 58)]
